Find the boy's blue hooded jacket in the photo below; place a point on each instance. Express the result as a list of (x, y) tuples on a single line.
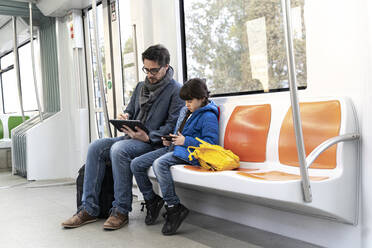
[(203, 124)]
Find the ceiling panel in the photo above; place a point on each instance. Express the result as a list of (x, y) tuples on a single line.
[(61, 7)]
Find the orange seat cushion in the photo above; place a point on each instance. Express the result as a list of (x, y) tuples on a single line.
[(278, 176), (247, 130), (320, 121)]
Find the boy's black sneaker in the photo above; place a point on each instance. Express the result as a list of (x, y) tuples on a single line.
[(153, 209), (173, 218)]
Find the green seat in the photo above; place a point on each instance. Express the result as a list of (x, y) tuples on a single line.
[(14, 121), (1, 130)]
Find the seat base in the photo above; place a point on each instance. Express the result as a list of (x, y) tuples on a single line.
[(5, 143)]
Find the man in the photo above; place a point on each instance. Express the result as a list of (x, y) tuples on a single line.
[(156, 103)]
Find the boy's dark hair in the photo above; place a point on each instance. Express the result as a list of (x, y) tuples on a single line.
[(157, 53), (194, 88)]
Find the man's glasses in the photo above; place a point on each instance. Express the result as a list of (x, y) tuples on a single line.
[(153, 71)]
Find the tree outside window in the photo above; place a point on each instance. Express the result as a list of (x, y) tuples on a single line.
[(239, 45)]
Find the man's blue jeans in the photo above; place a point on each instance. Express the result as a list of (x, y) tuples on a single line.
[(161, 161), (120, 151)]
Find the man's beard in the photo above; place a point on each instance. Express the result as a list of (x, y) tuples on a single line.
[(153, 80)]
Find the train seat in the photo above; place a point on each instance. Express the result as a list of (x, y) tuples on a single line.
[(1, 129), (5, 142), (14, 121), (7, 123), (246, 132), (263, 137), (320, 122)]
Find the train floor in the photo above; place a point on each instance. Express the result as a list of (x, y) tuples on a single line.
[(31, 214)]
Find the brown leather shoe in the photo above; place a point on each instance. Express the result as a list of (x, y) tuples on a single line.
[(79, 219), (115, 221)]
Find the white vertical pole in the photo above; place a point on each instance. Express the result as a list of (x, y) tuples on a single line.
[(135, 48), (33, 64), (286, 5), (16, 65)]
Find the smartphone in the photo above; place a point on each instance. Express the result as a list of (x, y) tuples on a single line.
[(167, 137)]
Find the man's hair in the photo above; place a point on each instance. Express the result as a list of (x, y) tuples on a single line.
[(194, 88), (157, 53)]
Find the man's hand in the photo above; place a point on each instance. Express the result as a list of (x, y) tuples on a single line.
[(178, 139), (137, 134), (123, 116)]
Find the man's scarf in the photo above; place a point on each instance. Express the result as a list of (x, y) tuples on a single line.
[(150, 92)]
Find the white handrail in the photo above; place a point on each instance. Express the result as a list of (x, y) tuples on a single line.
[(135, 48), (33, 63), (16, 66), (328, 143), (305, 181)]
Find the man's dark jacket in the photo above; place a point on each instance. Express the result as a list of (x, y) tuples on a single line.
[(163, 114)]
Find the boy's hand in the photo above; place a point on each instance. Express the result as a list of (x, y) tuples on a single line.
[(166, 142), (178, 139)]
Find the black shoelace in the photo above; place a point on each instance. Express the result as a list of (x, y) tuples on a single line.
[(143, 206)]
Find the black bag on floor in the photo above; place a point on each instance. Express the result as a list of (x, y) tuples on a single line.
[(106, 197)]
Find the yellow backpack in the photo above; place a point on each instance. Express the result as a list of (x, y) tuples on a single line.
[(214, 157)]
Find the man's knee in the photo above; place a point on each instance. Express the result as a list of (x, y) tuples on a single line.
[(119, 149), (95, 147)]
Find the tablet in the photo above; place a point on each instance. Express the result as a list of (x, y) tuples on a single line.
[(129, 123)]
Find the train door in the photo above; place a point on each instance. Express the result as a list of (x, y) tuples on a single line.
[(117, 47)]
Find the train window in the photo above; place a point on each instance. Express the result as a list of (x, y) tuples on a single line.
[(93, 51), (9, 81), (7, 60), (127, 53), (10, 92), (27, 79), (239, 46), (97, 92)]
